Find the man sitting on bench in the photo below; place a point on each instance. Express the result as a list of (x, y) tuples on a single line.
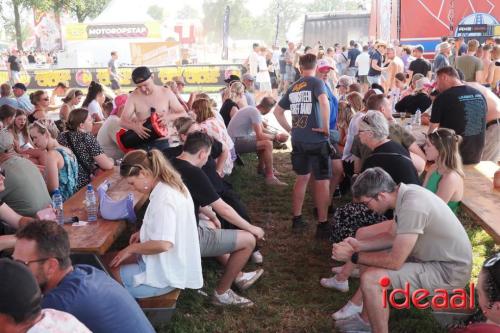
[(232, 247), (247, 131), (427, 247), (86, 292)]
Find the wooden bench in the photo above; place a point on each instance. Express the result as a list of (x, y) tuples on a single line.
[(90, 243), (481, 201), (160, 309)]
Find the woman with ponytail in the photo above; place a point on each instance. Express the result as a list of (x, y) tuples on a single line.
[(165, 253), (94, 100), (445, 177)]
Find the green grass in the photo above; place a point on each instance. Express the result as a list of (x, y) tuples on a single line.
[(289, 297)]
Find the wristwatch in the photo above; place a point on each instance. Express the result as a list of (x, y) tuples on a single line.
[(354, 257)]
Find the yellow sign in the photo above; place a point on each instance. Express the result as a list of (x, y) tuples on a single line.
[(81, 31), (496, 31)]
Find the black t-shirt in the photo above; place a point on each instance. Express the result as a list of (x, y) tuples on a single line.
[(463, 109), (225, 110), (421, 66), (352, 54), (31, 59), (14, 62), (395, 160), (375, 56), (198, 184), (209, 168), (411, 103)]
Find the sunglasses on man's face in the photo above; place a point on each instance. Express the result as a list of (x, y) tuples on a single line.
[(2, 172)]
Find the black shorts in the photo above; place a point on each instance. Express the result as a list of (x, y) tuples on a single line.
[(115, 85), (312, 157)]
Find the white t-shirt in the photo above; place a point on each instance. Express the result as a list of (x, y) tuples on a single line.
[(363, 63), (170, 217), (95, 108), (352, 130), (55, 321), (107, 137)]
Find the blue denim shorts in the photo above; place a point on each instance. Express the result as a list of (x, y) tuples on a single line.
[(127, 273)]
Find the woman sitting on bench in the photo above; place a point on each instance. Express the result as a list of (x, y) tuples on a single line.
[(445, 177), (165, 253)]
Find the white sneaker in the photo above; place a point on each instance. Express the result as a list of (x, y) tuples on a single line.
[(229, 297), (246, 280), (333, 283), (257, 257), (354, 273), (347, 311)]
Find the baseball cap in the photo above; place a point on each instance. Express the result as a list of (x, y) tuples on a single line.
[(19, 85), (232, 78), (120, 101), (6, 141), (179, 79), (322, 65), (423, 83), (248, 77), (444, 45), (20, 296), (344, 81), (419, 48), (140, 74)]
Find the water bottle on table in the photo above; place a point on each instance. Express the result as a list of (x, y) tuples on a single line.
[(91, 204), (57, 204), (418, 117)]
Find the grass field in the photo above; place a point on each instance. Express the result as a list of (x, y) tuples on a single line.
[(288, 297)]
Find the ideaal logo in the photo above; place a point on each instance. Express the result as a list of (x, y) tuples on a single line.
[(441, 299)]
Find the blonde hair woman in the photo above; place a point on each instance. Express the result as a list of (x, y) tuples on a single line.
[(165, 253), (61, 170), (445, 177), (215, 129)]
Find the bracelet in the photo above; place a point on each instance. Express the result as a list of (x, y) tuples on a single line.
[(355, 257)]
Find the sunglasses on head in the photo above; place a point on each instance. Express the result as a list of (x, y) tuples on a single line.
[(492, 261), (127, 170)]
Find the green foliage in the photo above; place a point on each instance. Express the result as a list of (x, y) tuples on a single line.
[(188, 12), (82, 9), (157, 13)]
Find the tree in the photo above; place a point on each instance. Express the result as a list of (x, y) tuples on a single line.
[(334, 5), (289, 11), (188, 12), (241, 24), (84, 8), (157, 13)]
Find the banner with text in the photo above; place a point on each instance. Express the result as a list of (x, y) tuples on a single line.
[(194, 75), (82, 31)]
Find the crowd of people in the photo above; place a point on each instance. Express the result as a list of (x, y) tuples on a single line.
[(401, 224)]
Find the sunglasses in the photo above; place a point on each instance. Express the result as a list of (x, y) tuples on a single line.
[(2, 172), (492, 261), (127, 170), (180, 84)]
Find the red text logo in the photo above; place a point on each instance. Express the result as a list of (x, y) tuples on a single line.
[(440, 299)]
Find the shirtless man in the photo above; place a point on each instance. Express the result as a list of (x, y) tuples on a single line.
[(148, 95), (488, 65), (491, 150), (395, 66)]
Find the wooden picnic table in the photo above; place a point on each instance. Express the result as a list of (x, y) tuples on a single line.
[(481, 201), (97, 237)]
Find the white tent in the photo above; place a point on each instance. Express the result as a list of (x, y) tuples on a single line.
[(115, 13)]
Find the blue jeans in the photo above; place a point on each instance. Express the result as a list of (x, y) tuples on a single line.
[(127, 273)]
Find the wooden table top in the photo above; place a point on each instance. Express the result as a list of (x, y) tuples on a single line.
[(97, 237), (481, 200)]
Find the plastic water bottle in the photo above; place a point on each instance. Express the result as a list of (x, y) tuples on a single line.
[(57, 204), (91, 203), (418, 117)]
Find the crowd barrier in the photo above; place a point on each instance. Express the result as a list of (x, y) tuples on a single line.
[(194, 75)]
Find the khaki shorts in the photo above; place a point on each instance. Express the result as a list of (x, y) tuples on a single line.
[(216, 242), (245, 144), (426, 275), (491, 150)]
